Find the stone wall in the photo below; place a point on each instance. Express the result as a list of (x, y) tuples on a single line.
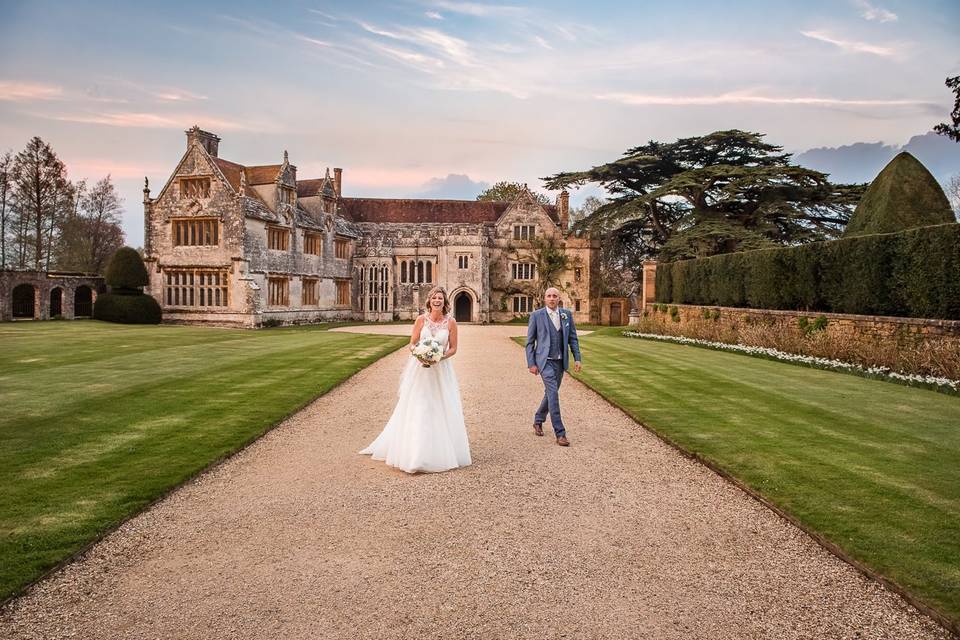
[(48, 289), (912, 345), (614, 312)]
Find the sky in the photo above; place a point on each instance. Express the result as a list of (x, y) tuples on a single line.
[(439, 98)]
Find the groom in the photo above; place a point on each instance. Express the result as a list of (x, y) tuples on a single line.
[(550, 334)]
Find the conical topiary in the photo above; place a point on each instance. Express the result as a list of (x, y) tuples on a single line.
[(126, 271), (126, 303), (902, 196)]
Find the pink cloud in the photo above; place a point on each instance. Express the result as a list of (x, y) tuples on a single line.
[(27, 91), (154, 121), (640, 99), (96, 168)]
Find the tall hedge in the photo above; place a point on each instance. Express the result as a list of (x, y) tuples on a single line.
[(914, 273)]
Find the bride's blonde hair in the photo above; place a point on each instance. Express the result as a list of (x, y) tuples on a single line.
[(446, 300)]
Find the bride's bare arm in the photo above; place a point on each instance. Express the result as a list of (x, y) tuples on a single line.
[(415, 335), (452, 342)]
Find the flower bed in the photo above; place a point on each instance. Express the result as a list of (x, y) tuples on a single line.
[(944, 385)]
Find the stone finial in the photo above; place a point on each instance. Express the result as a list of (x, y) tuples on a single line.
[(146, 184), (286, 157)]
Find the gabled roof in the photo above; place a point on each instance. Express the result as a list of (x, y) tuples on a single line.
[(315, 187), (230, 170), (525, 197), (262, 174), (343, 227), (413, 210), (254, 207), (306, 219)]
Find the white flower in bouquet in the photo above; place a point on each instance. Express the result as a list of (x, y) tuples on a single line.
[(428, 351)]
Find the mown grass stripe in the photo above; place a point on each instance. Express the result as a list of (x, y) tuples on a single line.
[(116, 416)]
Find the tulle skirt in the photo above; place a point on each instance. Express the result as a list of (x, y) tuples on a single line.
[(426, 431)]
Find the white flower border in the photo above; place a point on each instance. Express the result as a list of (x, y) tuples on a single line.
[(883, 373)]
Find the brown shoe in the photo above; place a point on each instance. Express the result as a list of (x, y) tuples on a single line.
[(563, 442), (538, 429)]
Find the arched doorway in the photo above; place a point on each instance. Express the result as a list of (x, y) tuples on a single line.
[(463, 307), (56, 302), (24, 301), (615, 313), (83, 302)]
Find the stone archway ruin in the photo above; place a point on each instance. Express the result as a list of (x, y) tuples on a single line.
[(23, 302), (56, 302)]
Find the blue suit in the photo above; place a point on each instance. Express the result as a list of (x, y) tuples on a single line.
[(551, 360)]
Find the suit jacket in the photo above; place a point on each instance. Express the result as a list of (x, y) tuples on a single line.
[(538, 338)]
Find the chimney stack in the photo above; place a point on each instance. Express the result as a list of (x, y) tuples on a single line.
[(563, 209), (209, 141), (338, 181)]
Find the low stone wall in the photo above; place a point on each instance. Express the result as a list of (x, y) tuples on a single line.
[(910, 345), (42, 295)]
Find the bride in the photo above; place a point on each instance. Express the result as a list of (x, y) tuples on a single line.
[(426, 431)]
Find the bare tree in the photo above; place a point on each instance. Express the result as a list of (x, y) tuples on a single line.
[(6, 182), (952, 188), (93, 233), (42, 195), (585, 210)]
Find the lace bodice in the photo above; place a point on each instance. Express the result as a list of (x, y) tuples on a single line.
[(438, 330)]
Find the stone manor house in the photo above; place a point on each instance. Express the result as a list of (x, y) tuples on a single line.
[(228, 244)]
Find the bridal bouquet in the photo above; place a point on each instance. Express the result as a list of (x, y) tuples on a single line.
[(428, 351)]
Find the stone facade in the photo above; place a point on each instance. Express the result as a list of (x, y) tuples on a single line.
[(237, 245), (614, 312), (41, 295)]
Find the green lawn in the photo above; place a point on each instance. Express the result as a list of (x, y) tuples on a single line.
[(100, 419), (873, 466)]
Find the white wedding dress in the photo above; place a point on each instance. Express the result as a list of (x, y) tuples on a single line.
[(426, 431)]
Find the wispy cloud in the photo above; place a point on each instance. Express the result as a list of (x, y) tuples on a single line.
[(433, 15), (314, 41), (479, 10), (543, 43), (94, 168), (435, 41), (419, 61), (178, 95), (113, 85), (146, 120), (377, 31), (870, 12), (640, 99), (325, 15), (850, 45), (28, 91)]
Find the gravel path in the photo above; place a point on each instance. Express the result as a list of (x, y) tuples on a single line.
[(616, 537)]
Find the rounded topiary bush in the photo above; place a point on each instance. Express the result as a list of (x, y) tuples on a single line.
[(126, 271), (127, 309)]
